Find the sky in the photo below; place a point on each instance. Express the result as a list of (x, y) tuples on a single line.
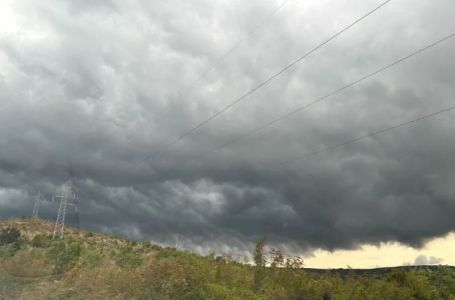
[(98, 91)]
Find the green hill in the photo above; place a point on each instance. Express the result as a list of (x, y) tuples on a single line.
[(86, 265)]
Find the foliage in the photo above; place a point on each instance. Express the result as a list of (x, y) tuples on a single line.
[(167, 253), (259, 256), (10, 241), (10, 249), (9, 235), (41, 241), (128, 258), (277, 258), (94, 267), (444, 281), (260, 262), (62, 254), (91, 258)]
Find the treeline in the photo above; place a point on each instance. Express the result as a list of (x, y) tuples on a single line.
[(95, 267)]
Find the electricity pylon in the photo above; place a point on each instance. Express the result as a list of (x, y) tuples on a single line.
[(36, 205), (75, 199), (67, 197)]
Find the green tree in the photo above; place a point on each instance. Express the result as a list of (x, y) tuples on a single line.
[(260, 262), (259, 256), (277, 258)]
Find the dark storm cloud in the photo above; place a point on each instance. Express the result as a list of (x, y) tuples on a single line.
[(102, 84)]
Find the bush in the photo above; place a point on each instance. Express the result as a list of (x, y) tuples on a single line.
[(91, 258), (155, 247), (128, 258), (10, 241), (10, 249), (167, 253), (9, 235), (41, 241), (62, 254)]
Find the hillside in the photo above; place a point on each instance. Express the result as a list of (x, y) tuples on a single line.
[(86, 265)]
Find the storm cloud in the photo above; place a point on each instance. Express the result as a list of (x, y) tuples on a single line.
[(101, 85)]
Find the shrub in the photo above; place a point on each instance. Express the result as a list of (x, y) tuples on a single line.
[(62, 254), (10, 249), (155, 247), (10, 241), (128, 258), (41, 241), (9, 235), (91, 258), (167, 253)]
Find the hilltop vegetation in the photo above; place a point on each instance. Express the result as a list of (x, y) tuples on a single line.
[(85, 265)]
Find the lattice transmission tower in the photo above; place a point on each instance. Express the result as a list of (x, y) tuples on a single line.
[(36, 205), (67, 198)]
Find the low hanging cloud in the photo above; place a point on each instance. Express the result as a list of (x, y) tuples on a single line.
[(100, 85), (424, 260), (427, 260)]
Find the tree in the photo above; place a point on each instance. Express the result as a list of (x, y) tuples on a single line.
[(259, 257), (277, 258), (260, 261)]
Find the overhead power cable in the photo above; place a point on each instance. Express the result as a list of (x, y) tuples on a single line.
[(265, 82), (256, 28), (306, 106), (372, 134)]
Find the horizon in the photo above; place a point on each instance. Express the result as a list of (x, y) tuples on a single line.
[(326, 260)]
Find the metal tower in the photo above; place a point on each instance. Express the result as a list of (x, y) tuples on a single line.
[(36, 205), (75, 199), (76, 212), (67, 197)]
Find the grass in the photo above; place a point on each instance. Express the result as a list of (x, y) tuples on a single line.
[(87, 265)]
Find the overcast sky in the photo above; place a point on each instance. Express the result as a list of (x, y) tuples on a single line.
[(101, 85)]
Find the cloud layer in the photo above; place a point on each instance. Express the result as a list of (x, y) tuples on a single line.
[(102, 84)]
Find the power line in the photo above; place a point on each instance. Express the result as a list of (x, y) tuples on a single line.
[(234, 47), (222, 57), (352, 141), (265, 82), (304, 107)]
